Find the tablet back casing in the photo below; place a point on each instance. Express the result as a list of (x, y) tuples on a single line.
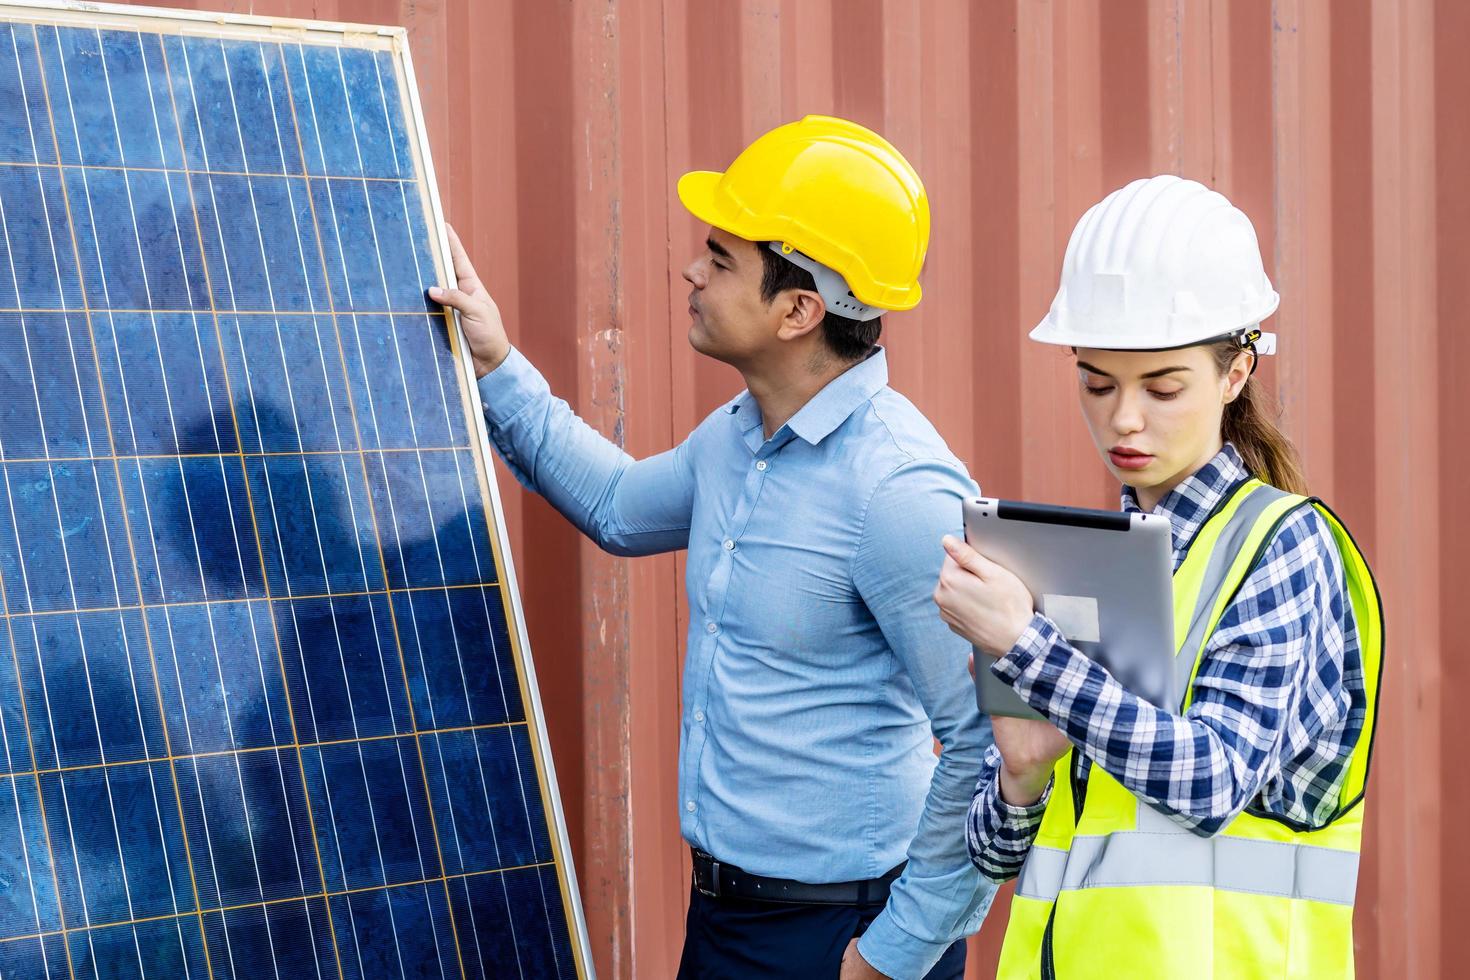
[(1104, 578)]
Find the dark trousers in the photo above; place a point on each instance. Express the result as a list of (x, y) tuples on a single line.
[(731, 939)]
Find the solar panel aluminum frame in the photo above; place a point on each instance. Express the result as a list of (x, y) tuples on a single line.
[(394, 40)]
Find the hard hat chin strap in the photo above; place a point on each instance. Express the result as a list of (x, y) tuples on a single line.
[(1258, 343), (830, 285)]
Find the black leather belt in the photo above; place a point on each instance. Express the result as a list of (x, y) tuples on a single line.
[(717, 880)]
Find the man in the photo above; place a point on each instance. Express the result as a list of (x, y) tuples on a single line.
[(812, 507)]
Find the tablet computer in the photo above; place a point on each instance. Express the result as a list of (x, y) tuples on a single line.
[(1104, 577)]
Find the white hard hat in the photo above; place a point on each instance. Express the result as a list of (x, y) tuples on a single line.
[(1161, 263)]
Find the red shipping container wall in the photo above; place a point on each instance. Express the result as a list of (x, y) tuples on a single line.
[(560, 126)]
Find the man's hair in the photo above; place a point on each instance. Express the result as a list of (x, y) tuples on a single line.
[(849, 340)]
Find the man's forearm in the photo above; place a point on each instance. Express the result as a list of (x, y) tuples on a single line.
[(628, 507)]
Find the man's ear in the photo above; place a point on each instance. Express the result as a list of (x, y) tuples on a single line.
[(805, 311)]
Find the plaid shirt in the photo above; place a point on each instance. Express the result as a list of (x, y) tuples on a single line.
[(1278, 704)]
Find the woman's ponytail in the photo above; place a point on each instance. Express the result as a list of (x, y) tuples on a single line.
[(1250, 425)]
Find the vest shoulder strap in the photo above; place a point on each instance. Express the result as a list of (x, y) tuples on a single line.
[(1223, 554)]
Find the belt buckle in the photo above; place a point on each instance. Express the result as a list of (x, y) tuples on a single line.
[(710, 889)]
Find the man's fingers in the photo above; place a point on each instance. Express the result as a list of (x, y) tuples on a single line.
[(464, 270), (456, 299)]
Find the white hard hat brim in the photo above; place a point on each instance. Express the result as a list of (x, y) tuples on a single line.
[(1124, 335)]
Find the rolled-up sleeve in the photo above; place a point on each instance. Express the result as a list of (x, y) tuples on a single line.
[(940, 897), (999, 834), (627, 506)]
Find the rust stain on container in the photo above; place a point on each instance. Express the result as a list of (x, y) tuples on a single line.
[(559, 129)]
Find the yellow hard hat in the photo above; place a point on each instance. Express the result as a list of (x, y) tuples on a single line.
[(833, 191)]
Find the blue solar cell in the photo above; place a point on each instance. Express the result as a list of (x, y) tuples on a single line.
[(191, 529), (288, 377), (535, 947), (47, 370), (29, 905), (89, 688), (435, 533), (218, 676), (339, 97), (264, 857), (23, 135), (397, 932), (342, 668), (164, 383), (55, 518), (373, 823), (260, 707), (115, 843), (403, 382), (295, 936), (38, 271), (444, 630), (319, 537), (164, 948)]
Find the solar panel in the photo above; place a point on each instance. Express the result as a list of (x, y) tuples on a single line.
[(265, 702)]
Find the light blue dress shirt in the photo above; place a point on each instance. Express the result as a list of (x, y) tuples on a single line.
[(818, 671)]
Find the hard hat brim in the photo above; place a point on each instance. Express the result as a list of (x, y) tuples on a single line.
[(699, 193), (1099, 337)]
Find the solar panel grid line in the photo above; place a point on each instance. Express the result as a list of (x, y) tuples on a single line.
[(66, 946), (193, 531), (67, 560), (233, 600), (164, 311), (209, 843), (130, 457), (292, 900), (331, 814), (156, 609), (500, 543), (366, 178), (459, 955), (423, 478), (19, 808), (337, 634), (246, 750)]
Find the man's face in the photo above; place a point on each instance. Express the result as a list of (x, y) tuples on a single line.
[(728, 319)]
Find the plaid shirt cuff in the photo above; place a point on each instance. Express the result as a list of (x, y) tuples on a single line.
[(1031, 646), (998, 834)]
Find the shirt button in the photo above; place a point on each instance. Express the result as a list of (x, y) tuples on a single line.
[(711, 628), (761, 465), (699, 717), (729, 544), (689, 805)]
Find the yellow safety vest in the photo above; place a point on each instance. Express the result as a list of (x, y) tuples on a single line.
[(1120, 890)]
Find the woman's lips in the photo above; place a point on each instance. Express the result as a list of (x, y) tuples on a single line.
[(1129, 459)]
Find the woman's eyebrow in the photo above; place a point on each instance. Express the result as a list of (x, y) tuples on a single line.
[(1150, 375)]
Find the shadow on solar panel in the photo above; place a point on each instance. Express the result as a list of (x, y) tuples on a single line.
[(264, 700)]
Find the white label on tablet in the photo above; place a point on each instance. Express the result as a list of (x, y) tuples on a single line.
[(1075, 616)]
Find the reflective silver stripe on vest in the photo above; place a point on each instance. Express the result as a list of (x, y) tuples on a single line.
[(1227, 549), (1234, 864), (1041, 875)]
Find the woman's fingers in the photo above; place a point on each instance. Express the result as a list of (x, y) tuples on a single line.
[(967, 557)]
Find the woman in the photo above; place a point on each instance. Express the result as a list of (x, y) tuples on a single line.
[(1220, 839)]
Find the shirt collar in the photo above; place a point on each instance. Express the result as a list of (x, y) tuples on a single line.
[(828, 408), (1192, 501)]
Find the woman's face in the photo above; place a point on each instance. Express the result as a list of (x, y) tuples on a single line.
[(1155, 415)]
